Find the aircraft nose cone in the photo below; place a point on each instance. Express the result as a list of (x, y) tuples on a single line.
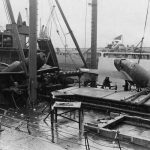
[(117, 63)]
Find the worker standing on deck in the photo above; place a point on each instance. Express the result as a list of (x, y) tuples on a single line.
[(126, 86), (106, 83)]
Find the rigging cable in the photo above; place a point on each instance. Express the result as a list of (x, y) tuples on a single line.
[(146, 17), (51, 24), (65, 39), (144, 31), (49, 21), (57, 27), (85, 25), (64, 44), (59, 23), (6, 11)]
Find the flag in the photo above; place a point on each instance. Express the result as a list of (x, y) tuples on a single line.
[(117, 41), (118, 37)]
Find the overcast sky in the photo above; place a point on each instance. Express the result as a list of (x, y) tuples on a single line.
[(115, 17)]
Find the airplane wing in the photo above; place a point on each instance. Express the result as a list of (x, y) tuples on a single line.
[(21, 73), (90, 71), (47, 70), (106, 73)]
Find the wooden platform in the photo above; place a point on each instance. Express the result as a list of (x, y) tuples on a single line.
[(124, 128), (105, 98)]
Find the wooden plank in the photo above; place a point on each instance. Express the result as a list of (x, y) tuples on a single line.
[(97, 93), (67, 105)]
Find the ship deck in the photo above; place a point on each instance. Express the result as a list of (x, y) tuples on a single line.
[(121, 101), (36, 134)]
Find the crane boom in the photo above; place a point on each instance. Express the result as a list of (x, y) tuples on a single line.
[(14, 25), (71, 33)]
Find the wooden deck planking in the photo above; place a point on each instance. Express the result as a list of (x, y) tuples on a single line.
[(103, 94)]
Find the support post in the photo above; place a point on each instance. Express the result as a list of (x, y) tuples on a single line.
[(52, 124), (94, 35), (55, 111), (86, 141), (79, 81), (33, 51), (80, 120), (94, 41)]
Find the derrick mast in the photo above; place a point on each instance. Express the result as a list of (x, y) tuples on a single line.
[(94, 35), (94, 41), (33, 50)]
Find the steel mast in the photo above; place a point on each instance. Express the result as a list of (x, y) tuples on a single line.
[(94, 42), (33, 50), (94, 35)]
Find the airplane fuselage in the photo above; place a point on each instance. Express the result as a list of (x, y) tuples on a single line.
[(11, 72), (17, 65), (138, 74)]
